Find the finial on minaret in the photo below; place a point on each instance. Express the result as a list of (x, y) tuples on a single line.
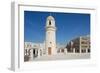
[(50, 13)]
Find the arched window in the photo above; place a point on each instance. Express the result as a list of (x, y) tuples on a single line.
[(49, 22)]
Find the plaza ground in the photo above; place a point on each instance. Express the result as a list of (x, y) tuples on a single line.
[(67, 56)]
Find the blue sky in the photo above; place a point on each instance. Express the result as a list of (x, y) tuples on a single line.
[(69, 26)]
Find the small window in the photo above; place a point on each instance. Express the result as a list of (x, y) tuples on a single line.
[(49, 22), (77, 50), (88, 50), (50, 42), (83, 51)]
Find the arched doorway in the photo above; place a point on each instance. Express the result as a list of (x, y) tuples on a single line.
[(49, 50), (35, 52)]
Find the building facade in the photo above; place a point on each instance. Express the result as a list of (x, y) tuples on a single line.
[(32, 50), (79, 45)]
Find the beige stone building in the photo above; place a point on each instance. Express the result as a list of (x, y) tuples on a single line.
[(32, 50), (79, 45)]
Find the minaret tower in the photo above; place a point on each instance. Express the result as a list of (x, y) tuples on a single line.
[(50, 42)]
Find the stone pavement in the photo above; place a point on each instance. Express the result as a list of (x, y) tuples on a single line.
[(67, 56)]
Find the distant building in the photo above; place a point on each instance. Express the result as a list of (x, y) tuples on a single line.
[(61, 48), (79, 45), (32, 50)]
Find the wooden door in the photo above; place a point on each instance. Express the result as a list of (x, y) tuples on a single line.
[(49, 50)]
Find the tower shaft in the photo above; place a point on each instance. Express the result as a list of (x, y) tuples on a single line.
[(50, 41)]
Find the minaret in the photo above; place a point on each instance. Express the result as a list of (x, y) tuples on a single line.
[(50, 42)]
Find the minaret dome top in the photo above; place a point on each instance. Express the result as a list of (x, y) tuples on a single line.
[(50, 18), (50, 22)]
